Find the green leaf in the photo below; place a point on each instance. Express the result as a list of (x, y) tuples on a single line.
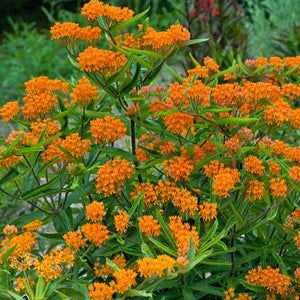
[(128, 22), (27, 218), (112, 265), (178, 77), (14, 143), (64, 113), (7, 254), (65, 151), (163, 247), (195, 41), (144, 52), (135, 293), (191, 252), (216, 262), (128, 88), (280, 263), (135, 205), (11, 174), (187, 293), (90, 113), (146, 251), (252, 287), (214, 108), (198, 259), (207, 289), (196, 63), (39, 292), (240, 121), (12, 294)]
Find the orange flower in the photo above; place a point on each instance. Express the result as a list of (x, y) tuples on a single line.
[(121, 221), (124, 280), (100, 291), (202, 150), (150, 266), (255, 190), (233, 144), (211, 64), (105, 270), (167, 147), (107, 130), (291, 90), (94, 9), (111, 176), (74, 240), (199, 93), (254, 166), (208, 211), (277, 114), (224, 181), (274, 168), (8, 161), (183, 232), (9, 110), (84, 93), (105, 62), (33, 226), (213, 168), (294, 118), (278, 187), (295, 173), (269, 278), (149, 226), (201, 72), (276, 61), (179, 168), (179, 122), (95, 211), (96, 233)]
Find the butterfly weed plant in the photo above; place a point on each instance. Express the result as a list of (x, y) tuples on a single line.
[(185, 191)]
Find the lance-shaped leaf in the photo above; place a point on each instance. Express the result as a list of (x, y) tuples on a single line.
[(144, 52), (163, 247), (128, 88), (195, 41), (135, 204), (178, 77), (240, 121)]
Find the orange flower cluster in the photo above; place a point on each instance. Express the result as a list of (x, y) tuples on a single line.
[(213, 168), (52, 264), (69, 32), (278, 187), (124, 280), (294, 118), (8, 161), (199, 93), (179, 168), (230, 295), (73, 143), (201, 71), (95, 211), (96, 233), (94, 9), (105, 270), (274, 168), (255, 190), (121, 221), (75, 240), (33, 226), (295, 173), (40, 98), (183, 232), (9, 110), (208, 211), (269, 278), (233, 144), (224, 181), (105, 62), (149, 226), (293, 218), (297, 240), (202, 150), (84, 93), (277, 114), (127, 40), (107, 130), (100, 291), (167, 147), (147, 266), (177, 94), (164, 41), (291, 90), (254, 166), (211, 64), (179, 123), (111, 176)]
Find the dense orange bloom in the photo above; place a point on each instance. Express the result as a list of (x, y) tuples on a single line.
[(40, 98), (84, 93), (124, 280), (121, 221), (269, 278), (179, 168), (111, 176), (141, 155), (163, 41), (261, 61), (20, 285), (291, 90), (201, 72), (293, 218), (277, 114), (94, 9), (150, 266), (149, 226), (254, 166), (9, 110), (224, 181), (202, 150), (278, 187), (294, 117), (292, 62), (96, 233), (52, 264), (229, 294), (73, 143), (75, 240), (279, 148), (167, 147), (33, 226), (179, 122), (100, 291), (178, 95), (213, 168), (183, 232), (105, 270), (107, 130), (8, 161), (274, 168), (199, 93), (95, 211), (127, 40), (297, 240), (208, 211), (105, 62), (255, 190), (295, 173), (276, 61), (149, 193), (211, 64)]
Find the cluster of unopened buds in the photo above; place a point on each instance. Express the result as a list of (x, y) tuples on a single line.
[(182, 260), (133, 110)]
